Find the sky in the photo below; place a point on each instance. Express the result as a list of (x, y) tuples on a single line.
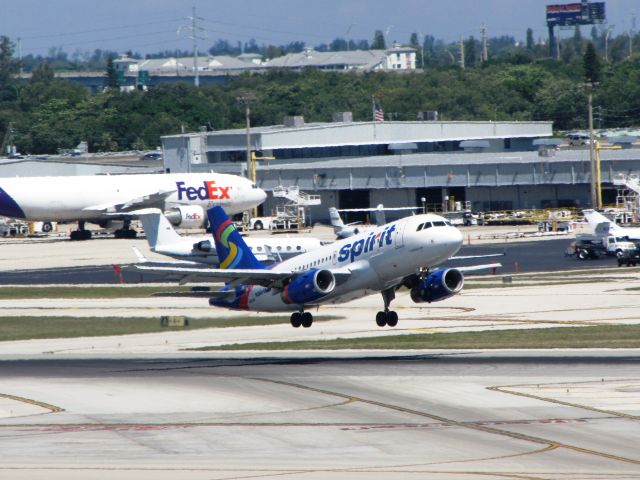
[(147, 26)]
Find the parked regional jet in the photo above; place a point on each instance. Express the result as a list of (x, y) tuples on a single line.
[(101, 199), (343, 230), (603, 226), (403, 252), (163, 239)]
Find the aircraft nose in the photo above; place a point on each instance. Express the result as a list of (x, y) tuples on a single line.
[(261, 195), (454, 239)]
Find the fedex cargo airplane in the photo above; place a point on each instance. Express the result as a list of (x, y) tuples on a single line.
[(405, 252), (103, 199)]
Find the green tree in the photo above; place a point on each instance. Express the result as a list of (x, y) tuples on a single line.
[(591, 64), (470, 53), (9, 67), (577, 40), (378, 41), (111, 80), (530, 41)]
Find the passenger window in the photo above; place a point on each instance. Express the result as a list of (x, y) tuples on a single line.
[(259, 249), (279, 248), (298, 247), (288, 248)]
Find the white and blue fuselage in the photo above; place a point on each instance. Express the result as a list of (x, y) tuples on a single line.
[(376, 260)]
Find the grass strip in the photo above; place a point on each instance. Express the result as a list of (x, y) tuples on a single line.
[(607, 336), (17, 293), (26, 328)]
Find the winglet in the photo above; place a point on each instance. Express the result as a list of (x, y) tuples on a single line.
[(232, 251)]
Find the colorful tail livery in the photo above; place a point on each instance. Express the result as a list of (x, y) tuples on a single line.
[(232, 251)]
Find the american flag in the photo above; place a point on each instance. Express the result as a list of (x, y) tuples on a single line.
[(378, 113)]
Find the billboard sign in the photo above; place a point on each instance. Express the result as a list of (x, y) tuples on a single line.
[(582, 13)]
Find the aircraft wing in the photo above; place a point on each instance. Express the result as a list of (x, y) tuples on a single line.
[(473, 268), (467, 257), (151, 199), (266, 278)]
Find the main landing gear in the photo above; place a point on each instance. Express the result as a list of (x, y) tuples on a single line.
[(387, 317), (301, 319), (126, 231), (80, 233)]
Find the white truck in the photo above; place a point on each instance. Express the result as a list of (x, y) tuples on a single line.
[(593, 246)]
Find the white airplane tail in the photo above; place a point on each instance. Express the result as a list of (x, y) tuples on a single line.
[(381, 218), (157, 228), (336, 220), (600, 224)]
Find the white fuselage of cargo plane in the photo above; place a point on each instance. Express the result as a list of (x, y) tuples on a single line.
[(375, 261), (97, 197)]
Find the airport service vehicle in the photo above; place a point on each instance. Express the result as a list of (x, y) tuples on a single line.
[(594, 246), (162, 238), (107, 199), (404, 252), (630, 258)]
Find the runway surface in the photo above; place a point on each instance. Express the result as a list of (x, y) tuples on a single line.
[(530, 256), (447, 416)]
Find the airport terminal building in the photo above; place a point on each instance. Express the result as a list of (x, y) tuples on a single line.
[(483, 165)]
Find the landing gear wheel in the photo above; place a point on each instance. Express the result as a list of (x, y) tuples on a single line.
[(296, 319), (392, 318), (125, 233), (381, 319), (307, 319), (80, 235)]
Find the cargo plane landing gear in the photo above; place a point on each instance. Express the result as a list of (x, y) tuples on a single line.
[(302, 318), (387, 317), (80, 233), (126, 231)]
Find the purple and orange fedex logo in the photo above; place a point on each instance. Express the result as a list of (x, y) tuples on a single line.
[(208, 191)]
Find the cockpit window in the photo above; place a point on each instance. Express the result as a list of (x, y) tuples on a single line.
[(424, 226), (448, 223), (439, 224), (419, 227)]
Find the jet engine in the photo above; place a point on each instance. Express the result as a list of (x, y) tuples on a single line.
[(203, 246), (309, 286), (186, 216), (438, 286)]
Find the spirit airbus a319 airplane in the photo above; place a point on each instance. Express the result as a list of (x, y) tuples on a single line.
[(103, 199), (403, 252)]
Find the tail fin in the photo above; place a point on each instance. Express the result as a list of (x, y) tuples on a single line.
[(381, 218), (336, 221), (157, 228), (600, 224), (232, 251)]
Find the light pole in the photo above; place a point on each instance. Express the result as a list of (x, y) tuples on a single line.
[(247, 99), (424, 204)]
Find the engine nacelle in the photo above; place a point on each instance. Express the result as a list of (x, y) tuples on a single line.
[(438, 286), (186, 216), (309, 286), (203, 246)]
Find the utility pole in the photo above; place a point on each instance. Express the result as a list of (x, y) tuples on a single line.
[(595, 187), (607, 34), (461, 52), (195, 29), (485, 51), (248, 99), (20, 53)]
